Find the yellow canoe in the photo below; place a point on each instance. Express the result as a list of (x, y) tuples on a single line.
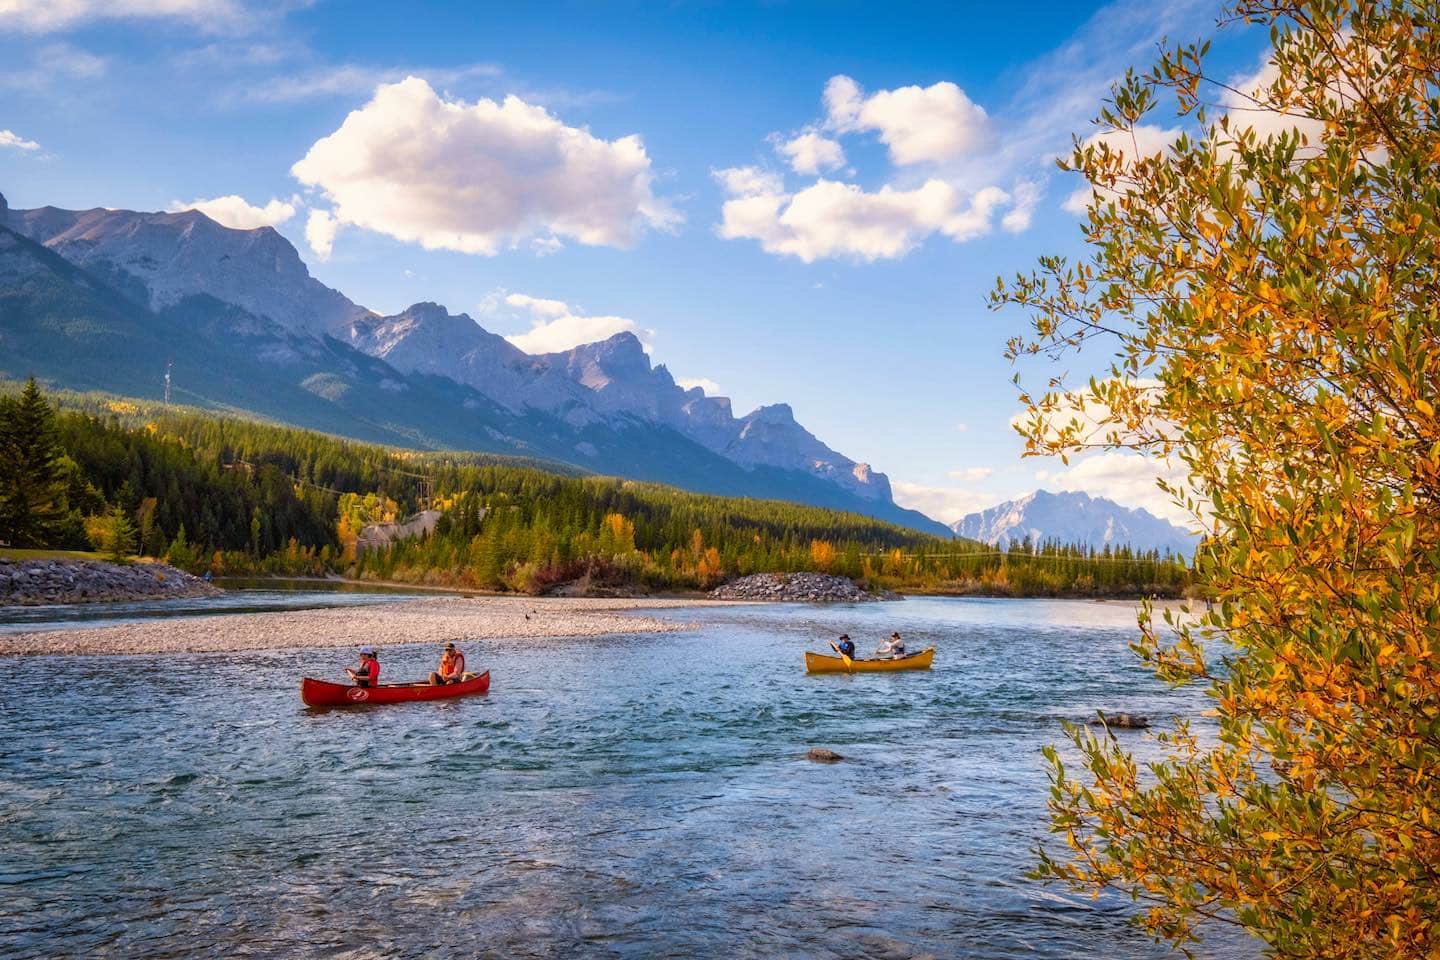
[(822, 663)]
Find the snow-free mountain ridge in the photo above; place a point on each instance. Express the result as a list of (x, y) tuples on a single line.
[(1074, 517)]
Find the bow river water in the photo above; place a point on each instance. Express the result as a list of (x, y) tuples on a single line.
[(642, 796)]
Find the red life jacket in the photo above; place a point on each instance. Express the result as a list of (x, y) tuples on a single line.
[(373, 669)]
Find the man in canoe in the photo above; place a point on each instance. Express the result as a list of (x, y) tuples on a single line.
[(368, 673), (452, 667), (846, 646), (894, 648)]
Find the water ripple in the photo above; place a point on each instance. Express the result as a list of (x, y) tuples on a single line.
[(639, 796)]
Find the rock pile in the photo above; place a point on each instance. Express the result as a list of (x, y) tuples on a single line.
[(36, 582), (805, 587)]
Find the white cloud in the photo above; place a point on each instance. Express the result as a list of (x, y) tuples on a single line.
[(1145, 141), (1127, 478), (320, 230), (930, 124), (711, 388), (971, 473), (234, 211), (12, 140), (946, 504), (812, 153), (45, 16), (483, 176), (962, 428), (832, 219), (1026, 196), (556, 327)]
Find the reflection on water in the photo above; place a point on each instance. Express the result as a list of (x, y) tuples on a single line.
[(621, 797)]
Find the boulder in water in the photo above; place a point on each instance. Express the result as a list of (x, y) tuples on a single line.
[(1122, 721)]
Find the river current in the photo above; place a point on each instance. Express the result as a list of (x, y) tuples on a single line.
[(628, 796)]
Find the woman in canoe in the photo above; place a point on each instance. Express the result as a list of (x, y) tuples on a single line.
[(452, 667), (368, 673), (894, 648)]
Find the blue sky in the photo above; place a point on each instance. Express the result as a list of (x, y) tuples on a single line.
[(794, 202)]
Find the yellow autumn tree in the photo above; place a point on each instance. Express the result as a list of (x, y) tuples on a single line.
[(1271, 285), (822, 555)]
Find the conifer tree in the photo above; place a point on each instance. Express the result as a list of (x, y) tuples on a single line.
[(32, 485)]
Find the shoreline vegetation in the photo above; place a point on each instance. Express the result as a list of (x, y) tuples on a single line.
[(234, 497)]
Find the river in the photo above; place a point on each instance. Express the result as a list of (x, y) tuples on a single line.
[(642, 796)]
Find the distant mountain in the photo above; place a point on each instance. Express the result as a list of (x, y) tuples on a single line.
[(1073, 517), (102, 299)]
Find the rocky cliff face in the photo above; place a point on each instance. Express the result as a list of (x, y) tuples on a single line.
[(1074, 517), (158, 259), (164, 261)]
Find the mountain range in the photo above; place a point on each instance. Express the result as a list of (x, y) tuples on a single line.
[(1074, 517), (103, 299)]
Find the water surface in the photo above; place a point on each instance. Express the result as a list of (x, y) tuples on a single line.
[(630, 796)]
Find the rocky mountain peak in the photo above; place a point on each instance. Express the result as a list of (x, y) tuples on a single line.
[(159, 259), (776, 413)]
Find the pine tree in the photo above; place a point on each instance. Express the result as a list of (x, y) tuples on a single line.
[(32, 485), (120, 541)]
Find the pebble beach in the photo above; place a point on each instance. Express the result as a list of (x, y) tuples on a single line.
[(393, 624)]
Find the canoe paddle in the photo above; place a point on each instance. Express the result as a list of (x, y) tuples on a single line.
[(848, 664)]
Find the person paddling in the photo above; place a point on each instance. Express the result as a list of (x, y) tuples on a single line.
[(893, 648), (846, 646), (452, 667), (368, 673)]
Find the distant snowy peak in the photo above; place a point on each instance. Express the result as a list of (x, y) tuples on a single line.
[(1075, 517)]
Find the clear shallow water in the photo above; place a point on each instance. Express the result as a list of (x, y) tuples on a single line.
[(639, 796)]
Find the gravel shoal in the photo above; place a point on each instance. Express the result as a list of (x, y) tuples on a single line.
[(383, 624)]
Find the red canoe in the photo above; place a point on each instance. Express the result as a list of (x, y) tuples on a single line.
[(323, 693)]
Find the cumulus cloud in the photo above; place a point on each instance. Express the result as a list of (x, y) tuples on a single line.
[(971, 473), (946, 504), (930, 124), (235, 211), (320, 230), (812, 153), (1145, 141), (832, 219), (480, 177), (556, 327), (1129, 479), (13, 141), (711, 388), (46, 16), (1026, 196)]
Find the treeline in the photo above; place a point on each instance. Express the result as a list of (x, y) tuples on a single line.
[(237, 496)]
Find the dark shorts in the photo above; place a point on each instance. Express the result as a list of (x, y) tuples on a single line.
[(442, 681)]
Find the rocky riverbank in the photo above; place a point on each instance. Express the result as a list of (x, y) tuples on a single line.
[(797, 587), (38, 582), (429, 621)]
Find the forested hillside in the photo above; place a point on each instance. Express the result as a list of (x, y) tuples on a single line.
[(237, 496)]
